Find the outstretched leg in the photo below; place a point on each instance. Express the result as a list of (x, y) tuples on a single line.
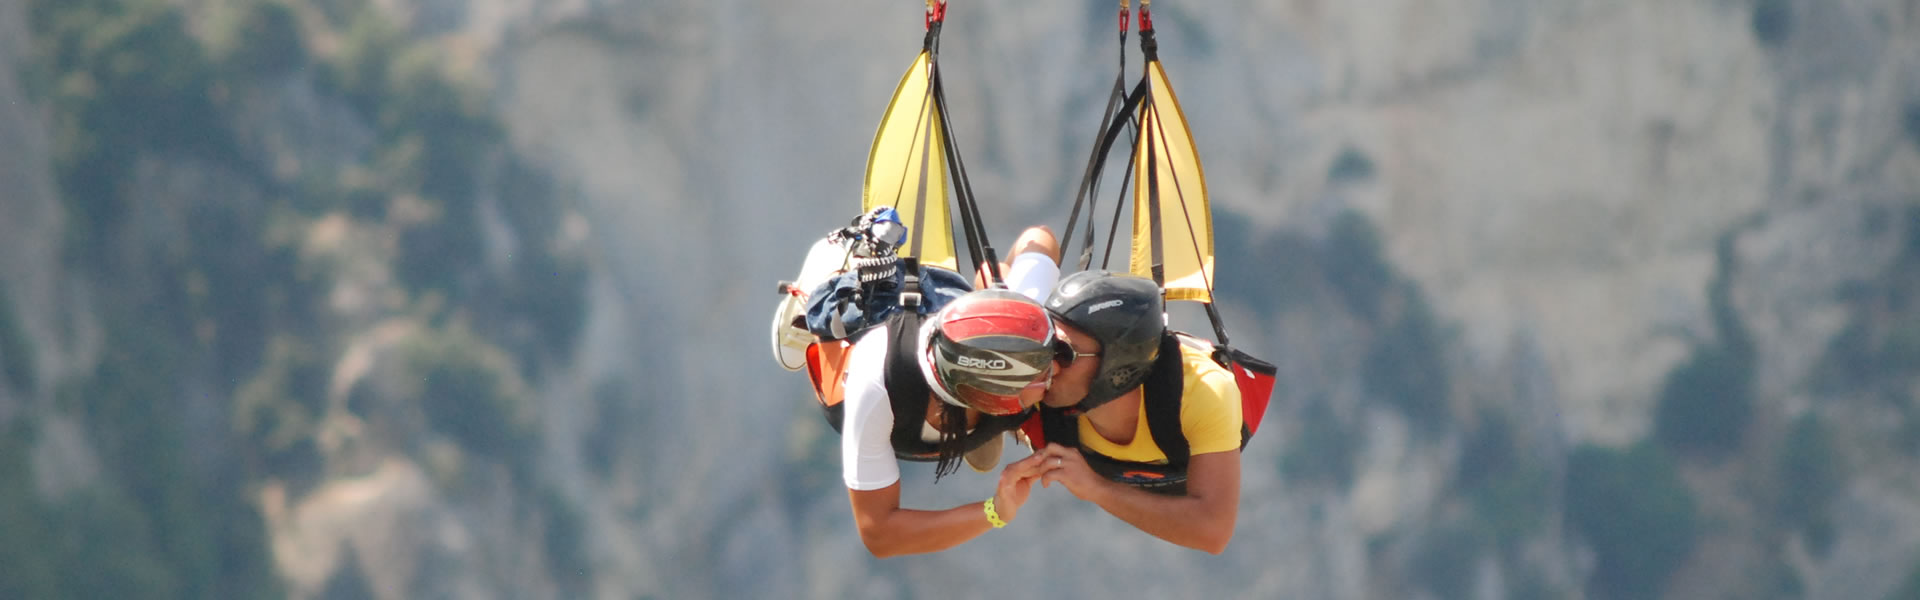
[(1035, 264), (1040, 239), (1037, 240)]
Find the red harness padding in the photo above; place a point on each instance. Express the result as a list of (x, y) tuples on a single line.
[(1254, 377), (826, 368)]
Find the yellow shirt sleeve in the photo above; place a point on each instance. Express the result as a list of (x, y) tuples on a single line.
[(1210, 404)]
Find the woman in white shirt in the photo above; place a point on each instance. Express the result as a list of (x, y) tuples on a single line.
[(985, 360)]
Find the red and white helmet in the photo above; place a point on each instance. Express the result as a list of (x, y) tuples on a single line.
[(984, 348)]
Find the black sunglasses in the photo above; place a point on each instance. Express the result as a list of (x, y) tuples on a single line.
[(1065, 354)]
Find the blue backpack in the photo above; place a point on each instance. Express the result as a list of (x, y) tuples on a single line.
[(845, 305)]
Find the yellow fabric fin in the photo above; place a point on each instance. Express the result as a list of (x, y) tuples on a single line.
[(907, 168), (1185, 233)]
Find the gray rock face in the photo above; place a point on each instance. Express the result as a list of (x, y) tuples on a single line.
[(1549, 179)]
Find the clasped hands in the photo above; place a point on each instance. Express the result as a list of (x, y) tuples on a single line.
[(1052, 464)]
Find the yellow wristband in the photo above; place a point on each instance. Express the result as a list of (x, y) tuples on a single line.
[(993, 517)]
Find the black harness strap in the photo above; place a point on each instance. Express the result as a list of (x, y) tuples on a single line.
[(907, 389), (1060, 426), (1165, 385), (1090, 179), (1111, 128), (979, 249), (1156, 240), (1088, 196)]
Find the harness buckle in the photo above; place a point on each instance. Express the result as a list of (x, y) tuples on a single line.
[(910, 284)]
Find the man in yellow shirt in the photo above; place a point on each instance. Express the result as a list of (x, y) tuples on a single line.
[(1140, 420)]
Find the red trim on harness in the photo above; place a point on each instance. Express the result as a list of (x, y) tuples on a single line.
[(826, 369), (1255, 390), (936, 13), (1254, 377), (814, 372), (1036, 434)]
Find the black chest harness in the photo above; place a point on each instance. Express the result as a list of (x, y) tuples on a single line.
[(909, 394), (1161, 393)]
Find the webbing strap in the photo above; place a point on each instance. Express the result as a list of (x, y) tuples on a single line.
[(979, 249), (910, 284), (1155, 240), (1164, 386), (1096, 162), (1089, 193), (1111, 128), (907, 389)]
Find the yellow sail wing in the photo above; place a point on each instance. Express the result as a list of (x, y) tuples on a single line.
[(1169, 185), (907, 168)]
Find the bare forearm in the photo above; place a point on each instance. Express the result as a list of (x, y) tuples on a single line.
[(889, 530), (1202, 519), (1198, 522), (905, 531)]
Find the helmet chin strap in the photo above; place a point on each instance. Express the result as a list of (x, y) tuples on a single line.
[(1076, 408)]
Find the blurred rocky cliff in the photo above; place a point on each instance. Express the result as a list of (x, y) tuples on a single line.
[(426, 298)]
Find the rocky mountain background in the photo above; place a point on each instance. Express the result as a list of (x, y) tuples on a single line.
[(431, 298)]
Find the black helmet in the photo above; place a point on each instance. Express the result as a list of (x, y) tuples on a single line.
[(1126, 314), (985, 347)]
